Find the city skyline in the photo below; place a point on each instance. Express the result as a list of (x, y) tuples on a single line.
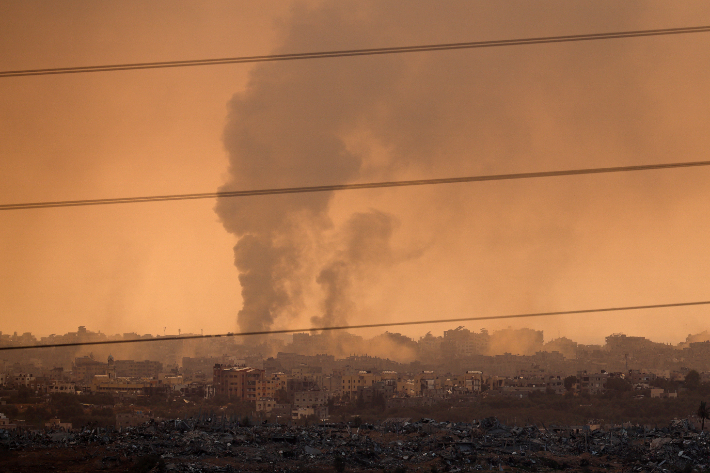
[(376, 255)]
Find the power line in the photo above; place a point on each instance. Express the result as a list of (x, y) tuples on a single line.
[(341, 187), (357, 52), (352, 327)]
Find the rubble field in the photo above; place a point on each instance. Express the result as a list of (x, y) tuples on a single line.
[(218, 445)]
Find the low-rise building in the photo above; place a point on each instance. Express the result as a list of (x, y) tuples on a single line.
[(270, 406), (5, 423), (309, 399), (104, 384), (301, 412), (61, 387), (662, 393)]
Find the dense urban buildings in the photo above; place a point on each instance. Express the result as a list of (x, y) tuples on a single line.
[(292, 379)]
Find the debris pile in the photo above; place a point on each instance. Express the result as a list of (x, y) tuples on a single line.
[(216, 445)]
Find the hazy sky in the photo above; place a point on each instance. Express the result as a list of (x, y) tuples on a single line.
[(361, 256)]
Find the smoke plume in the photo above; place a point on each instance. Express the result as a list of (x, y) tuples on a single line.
[(494, 248), (367, 248)]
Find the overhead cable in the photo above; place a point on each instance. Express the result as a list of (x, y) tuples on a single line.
[(357, 52), (361, 326), (342, 187)]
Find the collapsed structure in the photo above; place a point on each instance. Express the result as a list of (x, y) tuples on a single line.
[(213, 443)]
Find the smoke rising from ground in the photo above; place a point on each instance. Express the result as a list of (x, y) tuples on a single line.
[(514, 247), (367, 249)]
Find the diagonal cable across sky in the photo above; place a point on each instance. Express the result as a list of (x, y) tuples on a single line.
[(362, 326), (357, 52), (355, 186)]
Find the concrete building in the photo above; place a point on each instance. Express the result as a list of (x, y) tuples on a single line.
[(243, 383), (301, 412), (22, 380), (461, 342), (85, 368), (138, 369), (351, 382), (592, 383), (61, 387), (471, 381), (270, 406), (309, 399), (105, 384)]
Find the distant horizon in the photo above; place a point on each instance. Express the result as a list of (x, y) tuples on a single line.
[(288, 338)]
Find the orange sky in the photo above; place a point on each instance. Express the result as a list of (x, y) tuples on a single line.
[(461, 250)]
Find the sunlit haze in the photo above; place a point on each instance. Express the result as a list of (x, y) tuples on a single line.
[(365, 256)]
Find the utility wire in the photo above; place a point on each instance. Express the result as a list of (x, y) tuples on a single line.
[(357, 52), (352, 327), (341, 187)]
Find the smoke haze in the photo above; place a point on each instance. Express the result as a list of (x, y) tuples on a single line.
[(442, 114), (354, 256)]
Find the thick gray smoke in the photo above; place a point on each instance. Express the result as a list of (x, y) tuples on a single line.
[(290, 128), (367, 248), (497, 248)]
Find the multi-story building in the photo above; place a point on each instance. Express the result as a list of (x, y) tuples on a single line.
[(639, 377), (273, 383), (332, 383), (470, 381), (380, 390), (592, 383), (138, 369), (85, 368), (461, 342), (351, 382), (556, 383), (25, 380), (242, 383), (409, 387), (309, 399), (201, 369)]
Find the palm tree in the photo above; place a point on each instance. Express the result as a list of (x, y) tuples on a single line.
[(703, 413)]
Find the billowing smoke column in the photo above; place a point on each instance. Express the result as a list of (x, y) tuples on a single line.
[(285, 130), (521, 246), (366, 247), (288, 129)]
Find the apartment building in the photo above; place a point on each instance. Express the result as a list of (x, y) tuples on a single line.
[(247, 384), (138, 369)]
